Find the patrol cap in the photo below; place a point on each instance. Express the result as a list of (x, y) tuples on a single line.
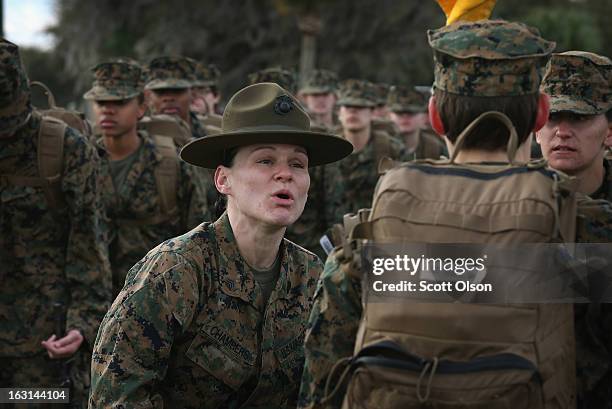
[(206, 75), (171, 72), (320, 82), (381, 92), (15, 102), (265, 113), (406, 99), (116, 80), (357, 93), (579, 82), (285, 78), (488, 58)]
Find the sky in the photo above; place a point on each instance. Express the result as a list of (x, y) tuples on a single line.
[(26, 20)]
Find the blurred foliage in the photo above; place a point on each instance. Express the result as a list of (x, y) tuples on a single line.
[(381, 40)]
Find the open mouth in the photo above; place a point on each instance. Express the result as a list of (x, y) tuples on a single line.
[(563, 148), (170, 110), (283, 196)]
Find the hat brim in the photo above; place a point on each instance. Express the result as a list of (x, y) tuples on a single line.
[(355, 102), (104, 95), (168, 84), (575, 105), (208, 152)]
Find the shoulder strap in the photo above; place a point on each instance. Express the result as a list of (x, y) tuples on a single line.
[(382, 147), (50, 157), (166, 174), (503, 119), (50, 153)]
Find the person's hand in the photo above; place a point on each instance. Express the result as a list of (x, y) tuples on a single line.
[(64, 347)]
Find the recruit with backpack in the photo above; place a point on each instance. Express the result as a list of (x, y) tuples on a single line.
[(451, 355), (50, 148), (168, 133)]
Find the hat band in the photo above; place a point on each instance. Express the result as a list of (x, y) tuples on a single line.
[(264, 128)]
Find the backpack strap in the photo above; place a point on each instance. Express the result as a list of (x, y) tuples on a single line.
[(512, 141), (50, 157), (166, 179), (166, 175), (382, 147)]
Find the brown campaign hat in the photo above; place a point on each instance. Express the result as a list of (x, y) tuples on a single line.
[(265, 113)]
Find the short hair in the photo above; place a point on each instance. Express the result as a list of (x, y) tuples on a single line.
[(458, 111)]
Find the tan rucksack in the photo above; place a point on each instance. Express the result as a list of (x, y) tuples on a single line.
[(167, 125), (424, 355), (73, 119), (50, 153)]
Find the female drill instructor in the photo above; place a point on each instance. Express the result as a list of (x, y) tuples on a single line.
[(215, 318)]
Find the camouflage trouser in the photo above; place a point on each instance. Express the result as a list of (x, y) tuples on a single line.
[(42, 372)]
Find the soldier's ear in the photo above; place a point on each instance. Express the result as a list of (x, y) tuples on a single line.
[(543, 111), (434, 117), (222, 182)]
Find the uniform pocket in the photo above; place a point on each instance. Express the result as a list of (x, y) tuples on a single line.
[(222, 356)]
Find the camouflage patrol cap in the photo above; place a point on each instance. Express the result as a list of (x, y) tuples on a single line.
[(488, 58), (406, 99), (320, 82), (277, 75), (15, 103), (579, 82), (206, 75), (357, 93), (171, 72), (381, 92), (116, 80)]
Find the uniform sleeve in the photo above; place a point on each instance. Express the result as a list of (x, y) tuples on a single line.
[(197, 196), (87, 266), (133, 346), (331, 332)]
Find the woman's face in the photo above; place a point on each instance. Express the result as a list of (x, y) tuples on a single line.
[(267, 182)]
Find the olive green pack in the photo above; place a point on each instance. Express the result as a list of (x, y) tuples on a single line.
[(424, 355)]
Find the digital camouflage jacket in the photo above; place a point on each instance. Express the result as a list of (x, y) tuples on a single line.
[(190, 328), (49, 255)]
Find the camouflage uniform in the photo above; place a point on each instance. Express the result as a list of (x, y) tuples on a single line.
[(406, 100), (175, 73), (357, 174), (581, 83), (191, 328), (317, 216), (54, 268), (134, 208), (285, 78), (334, 321)]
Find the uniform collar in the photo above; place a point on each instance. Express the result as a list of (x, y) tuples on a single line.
[(237, 278)]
